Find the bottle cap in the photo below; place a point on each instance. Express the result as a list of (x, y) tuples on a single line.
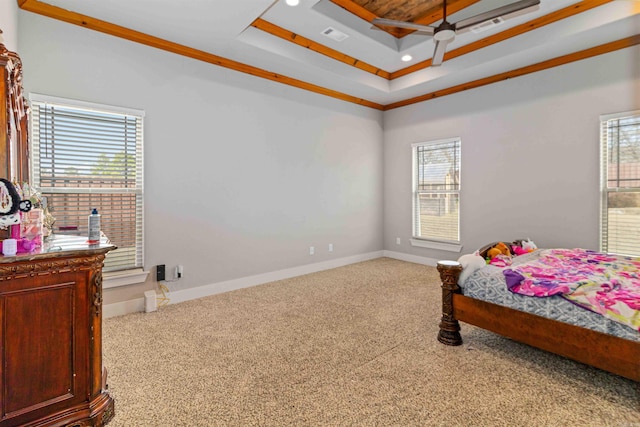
[(94, 211)]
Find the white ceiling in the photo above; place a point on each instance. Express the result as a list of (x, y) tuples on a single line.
[(223, 28)]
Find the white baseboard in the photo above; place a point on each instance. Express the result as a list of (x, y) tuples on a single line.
[(411, 258), (124, 307), (259, 279), (132, 306)]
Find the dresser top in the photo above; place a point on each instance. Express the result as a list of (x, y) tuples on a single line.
[(58, 246)]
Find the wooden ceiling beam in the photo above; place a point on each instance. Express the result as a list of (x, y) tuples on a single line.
[(292, 37), (554, 62)]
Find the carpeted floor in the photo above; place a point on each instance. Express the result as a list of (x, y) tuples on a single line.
[(353, 346)]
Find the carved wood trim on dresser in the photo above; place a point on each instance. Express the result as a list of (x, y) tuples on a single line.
[(14, 119)]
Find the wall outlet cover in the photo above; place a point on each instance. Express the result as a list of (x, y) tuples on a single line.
[(160, 273)]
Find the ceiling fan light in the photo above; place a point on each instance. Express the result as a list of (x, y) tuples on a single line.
[(444, 35)]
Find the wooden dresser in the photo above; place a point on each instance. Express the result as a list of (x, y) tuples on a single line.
[(51, 370)]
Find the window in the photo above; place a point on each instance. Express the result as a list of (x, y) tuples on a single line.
[(88, 156), (620, 183), (436, 191)]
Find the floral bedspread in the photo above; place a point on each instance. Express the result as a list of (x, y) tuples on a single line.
[(603, 283)]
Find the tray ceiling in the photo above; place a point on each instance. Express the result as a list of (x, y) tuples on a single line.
[(331, 47)]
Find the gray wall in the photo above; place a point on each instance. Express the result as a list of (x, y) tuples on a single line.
[(242, 175), (9, 23), (530, 154)]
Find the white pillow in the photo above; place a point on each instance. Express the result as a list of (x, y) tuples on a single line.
[(470, 263)]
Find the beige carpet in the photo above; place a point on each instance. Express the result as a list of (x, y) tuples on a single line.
[(353, 346)]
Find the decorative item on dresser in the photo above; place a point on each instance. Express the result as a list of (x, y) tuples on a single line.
[(51, 369)]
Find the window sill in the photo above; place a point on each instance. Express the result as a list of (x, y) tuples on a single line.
[(125, 278), (443, 246)]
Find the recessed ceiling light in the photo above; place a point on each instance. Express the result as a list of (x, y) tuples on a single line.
[(293, 2), (407, 58)]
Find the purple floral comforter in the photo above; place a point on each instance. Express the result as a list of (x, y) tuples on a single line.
[(603, 283)]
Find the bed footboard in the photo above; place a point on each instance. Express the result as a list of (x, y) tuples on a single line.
[(449, 333), (616, 355)]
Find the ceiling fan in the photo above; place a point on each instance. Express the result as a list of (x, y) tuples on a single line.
[(446, 31)]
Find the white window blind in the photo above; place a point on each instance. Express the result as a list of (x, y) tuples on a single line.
[(436, 190), (87, 156), (620, 183)]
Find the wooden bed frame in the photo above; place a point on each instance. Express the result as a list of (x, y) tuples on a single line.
[(616, 355)]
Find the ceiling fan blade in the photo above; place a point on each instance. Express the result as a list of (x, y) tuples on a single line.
[(438, 52), (401, 24), (495, 13)]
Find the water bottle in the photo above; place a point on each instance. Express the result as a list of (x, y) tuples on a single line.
[(94, 227)]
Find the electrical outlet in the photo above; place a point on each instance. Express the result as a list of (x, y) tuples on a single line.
[(397, 240), (330, 247), (312, 250), (160, 273), (179, 272)]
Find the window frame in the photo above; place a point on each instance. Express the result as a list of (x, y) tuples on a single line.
[(604, 236), (430, 242), (133, 271)]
